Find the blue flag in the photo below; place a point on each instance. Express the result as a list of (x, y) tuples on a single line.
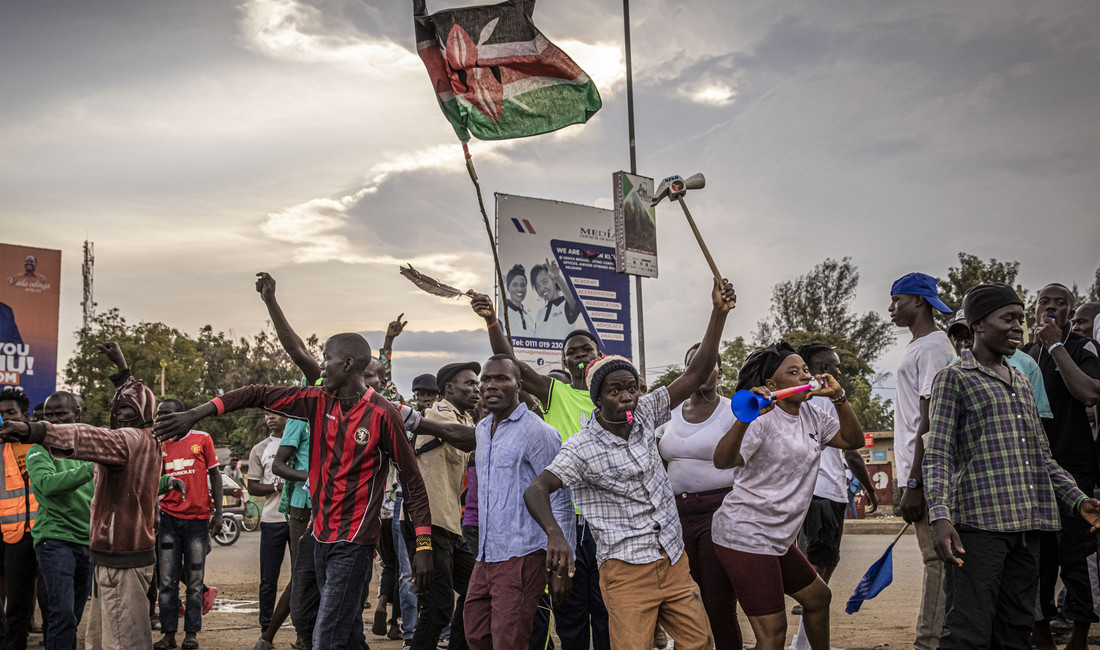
[(877, 578)]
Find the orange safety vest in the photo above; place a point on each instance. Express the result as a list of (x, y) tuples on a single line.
[(17, 503)]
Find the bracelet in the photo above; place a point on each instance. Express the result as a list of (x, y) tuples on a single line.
[(492, 324), (1080, 500), (1050, 350), (840, 400), (423, 542)]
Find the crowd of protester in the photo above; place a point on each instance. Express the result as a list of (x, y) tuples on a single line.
[(506, 505)]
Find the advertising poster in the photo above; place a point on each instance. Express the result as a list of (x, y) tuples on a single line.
[(558, 260), (29, 299), (635, 225)]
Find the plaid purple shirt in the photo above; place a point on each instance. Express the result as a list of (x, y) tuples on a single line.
[(987, 463)]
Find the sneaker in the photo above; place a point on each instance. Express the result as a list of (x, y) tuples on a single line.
[(208, 596), (796, 610)]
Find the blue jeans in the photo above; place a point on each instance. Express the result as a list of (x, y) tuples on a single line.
[(405, 589), (273, 542), (66, 570), (341, 577), (183, 545)]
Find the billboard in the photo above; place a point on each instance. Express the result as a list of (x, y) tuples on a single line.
[(558, 260), (30, 295), (635, 225)]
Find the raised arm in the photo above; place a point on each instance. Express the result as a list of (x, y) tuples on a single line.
[(723, 299), (1081, 380), (534, 383), (572, 309), (291, 342), (385, 355)]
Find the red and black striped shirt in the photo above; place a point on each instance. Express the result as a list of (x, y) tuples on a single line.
[(348, 458)]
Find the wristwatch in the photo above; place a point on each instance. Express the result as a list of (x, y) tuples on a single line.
[(914, 484)]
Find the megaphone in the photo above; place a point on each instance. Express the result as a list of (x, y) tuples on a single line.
[(746, 405)]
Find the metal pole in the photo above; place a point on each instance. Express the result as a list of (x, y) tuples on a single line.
[(633, 170)]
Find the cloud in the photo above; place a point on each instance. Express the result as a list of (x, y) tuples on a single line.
[(294, 31), (714, 93)]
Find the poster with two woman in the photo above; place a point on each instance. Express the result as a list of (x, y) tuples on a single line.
[(558, 261)]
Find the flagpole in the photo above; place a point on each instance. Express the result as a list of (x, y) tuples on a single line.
[(492, 240), (633, 170), (903, 529)]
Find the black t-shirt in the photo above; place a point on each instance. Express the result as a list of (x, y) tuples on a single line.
[(1069, 432)]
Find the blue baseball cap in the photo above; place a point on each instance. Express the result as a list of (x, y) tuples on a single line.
[(923, 285)]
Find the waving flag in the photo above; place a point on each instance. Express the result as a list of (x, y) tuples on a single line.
[(877, 578), (496, 76)]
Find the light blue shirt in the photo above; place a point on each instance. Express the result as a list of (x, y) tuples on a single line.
[(1023, 362), (507, 462)]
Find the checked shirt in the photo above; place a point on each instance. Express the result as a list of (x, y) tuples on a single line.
[(622, 487), (987, 463)]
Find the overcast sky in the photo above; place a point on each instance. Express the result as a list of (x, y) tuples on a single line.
[(199, 142)]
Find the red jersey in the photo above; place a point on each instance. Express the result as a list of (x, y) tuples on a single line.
[(349, 458), (189, 459)]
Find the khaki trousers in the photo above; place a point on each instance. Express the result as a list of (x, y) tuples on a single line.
[(638, 596), (118, 616), (930, 619)]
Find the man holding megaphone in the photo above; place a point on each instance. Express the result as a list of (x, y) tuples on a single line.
[(778, 452)]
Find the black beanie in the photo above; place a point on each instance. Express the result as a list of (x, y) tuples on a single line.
[(599, 369), (985, 299)]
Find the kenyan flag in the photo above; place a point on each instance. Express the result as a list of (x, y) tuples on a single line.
[(497, 76)]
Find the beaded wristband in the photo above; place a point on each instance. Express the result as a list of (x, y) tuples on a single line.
[(492, 324), (423, 542)]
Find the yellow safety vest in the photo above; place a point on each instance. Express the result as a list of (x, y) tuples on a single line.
[(17, 503)]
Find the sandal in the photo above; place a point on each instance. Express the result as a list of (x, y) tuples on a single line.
[(164, 644), (190, 644)]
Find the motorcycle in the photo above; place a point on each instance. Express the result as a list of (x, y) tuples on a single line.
[(233, 521)]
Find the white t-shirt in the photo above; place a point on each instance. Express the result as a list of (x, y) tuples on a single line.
[(772, 491), (556, 325), (688, 448), (923, 359), (831, 482), (259, 469)]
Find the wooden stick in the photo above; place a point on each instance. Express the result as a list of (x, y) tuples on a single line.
[(903, 529), (489, 232), (702, 244)]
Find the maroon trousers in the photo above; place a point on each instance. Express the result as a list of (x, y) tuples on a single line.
[(501, 601), (696, 511)]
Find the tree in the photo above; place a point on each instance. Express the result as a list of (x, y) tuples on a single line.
[(821, 301), (733, 354), (1094, 290), (972, 271), (177, 365), (875, 413)]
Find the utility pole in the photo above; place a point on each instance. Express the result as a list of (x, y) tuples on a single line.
[(633, 170), (88, 270)]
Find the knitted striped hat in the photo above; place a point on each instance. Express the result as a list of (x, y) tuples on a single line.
[(599, 369)]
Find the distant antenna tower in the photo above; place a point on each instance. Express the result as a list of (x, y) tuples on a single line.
[(88, 269)]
